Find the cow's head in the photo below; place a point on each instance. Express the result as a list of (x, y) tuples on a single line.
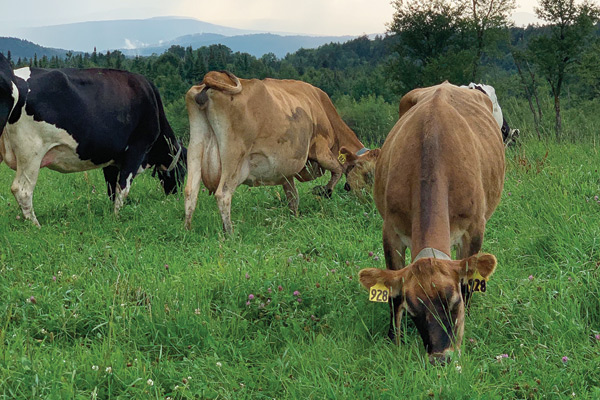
[(172, 175), (7, 88), (359, 168), (430, 291)]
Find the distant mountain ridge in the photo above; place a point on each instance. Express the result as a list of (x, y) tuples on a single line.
[(256, 44), (20, 48), (145, 37), (121, 34)]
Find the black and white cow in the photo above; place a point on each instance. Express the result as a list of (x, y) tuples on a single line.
[(508, 135), (72, 120)]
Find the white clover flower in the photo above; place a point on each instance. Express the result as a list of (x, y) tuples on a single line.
[(150, 382), (95, 367)]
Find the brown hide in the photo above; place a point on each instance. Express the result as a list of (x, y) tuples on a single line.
[(438, 179), (441, 169), (261, 132)]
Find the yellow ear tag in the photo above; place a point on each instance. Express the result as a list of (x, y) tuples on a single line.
[(379, 293), (342, 158), (477, 283)]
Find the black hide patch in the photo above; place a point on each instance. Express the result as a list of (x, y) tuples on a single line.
[(6, 88), (104, 110)]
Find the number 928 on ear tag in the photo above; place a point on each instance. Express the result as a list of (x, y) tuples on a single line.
[(379, 293), (478, 283)]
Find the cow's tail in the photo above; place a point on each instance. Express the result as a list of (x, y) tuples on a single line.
[(167, 135), (223, 81)]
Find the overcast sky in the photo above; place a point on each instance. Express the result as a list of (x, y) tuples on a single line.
[(317, 17)]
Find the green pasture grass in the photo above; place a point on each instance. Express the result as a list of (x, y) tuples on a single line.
[(135, 307)]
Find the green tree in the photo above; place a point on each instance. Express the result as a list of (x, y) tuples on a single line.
[(556, 52), (487, 19), (427, 31)]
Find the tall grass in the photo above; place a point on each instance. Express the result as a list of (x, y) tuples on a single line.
[(98, 306)]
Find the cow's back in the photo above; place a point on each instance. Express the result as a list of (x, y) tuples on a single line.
[(446, 140), (102, 109)]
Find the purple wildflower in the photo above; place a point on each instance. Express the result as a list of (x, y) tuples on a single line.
[(296, 293), (250, 296), (565, 359)]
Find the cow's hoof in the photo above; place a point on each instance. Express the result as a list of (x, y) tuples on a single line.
[(322, 191)]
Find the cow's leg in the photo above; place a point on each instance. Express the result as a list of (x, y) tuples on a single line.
[(133, 160), (122, 190), (292, 195), (231, 178), (328, 161), (111, 174), (194, 165), (24, 184), (394, 251), (223, 196), (192, 186), (234, 166)]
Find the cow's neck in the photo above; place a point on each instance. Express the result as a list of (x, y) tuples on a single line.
[(347, 138)]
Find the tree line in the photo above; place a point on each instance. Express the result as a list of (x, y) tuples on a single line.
[(427, 42)]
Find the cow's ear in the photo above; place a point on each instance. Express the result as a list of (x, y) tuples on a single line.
[(483, 263), (374, 154), (369, 277), (345, 156)]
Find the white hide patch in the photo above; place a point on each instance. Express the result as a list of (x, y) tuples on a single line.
[(491, 93), (42, 144), (23, 73), (15, 95)]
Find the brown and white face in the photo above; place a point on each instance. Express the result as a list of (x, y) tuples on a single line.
[(359, 170), (429, 291)]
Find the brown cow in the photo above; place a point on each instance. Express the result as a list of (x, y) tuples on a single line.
[(262, 132), (437, 182)]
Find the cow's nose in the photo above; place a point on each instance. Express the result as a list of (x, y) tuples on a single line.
[(347, 187), (439, 358)]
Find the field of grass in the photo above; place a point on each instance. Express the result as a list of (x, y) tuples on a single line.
[(135, 307)]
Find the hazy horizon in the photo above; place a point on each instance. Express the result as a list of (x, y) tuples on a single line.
[(311, 17)]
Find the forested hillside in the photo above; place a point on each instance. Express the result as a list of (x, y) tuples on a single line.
[(366, 77)]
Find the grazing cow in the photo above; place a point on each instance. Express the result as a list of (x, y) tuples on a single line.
[(361, 173), (508, 135), (438, 179), (262, 132), (72, 120)]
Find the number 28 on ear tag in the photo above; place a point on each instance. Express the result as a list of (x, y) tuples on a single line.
[(379, 293), (477, 283)]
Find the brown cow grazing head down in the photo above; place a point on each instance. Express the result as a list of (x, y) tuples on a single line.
[(261, 132), (438, 180), (360, 172), (429, 290)]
